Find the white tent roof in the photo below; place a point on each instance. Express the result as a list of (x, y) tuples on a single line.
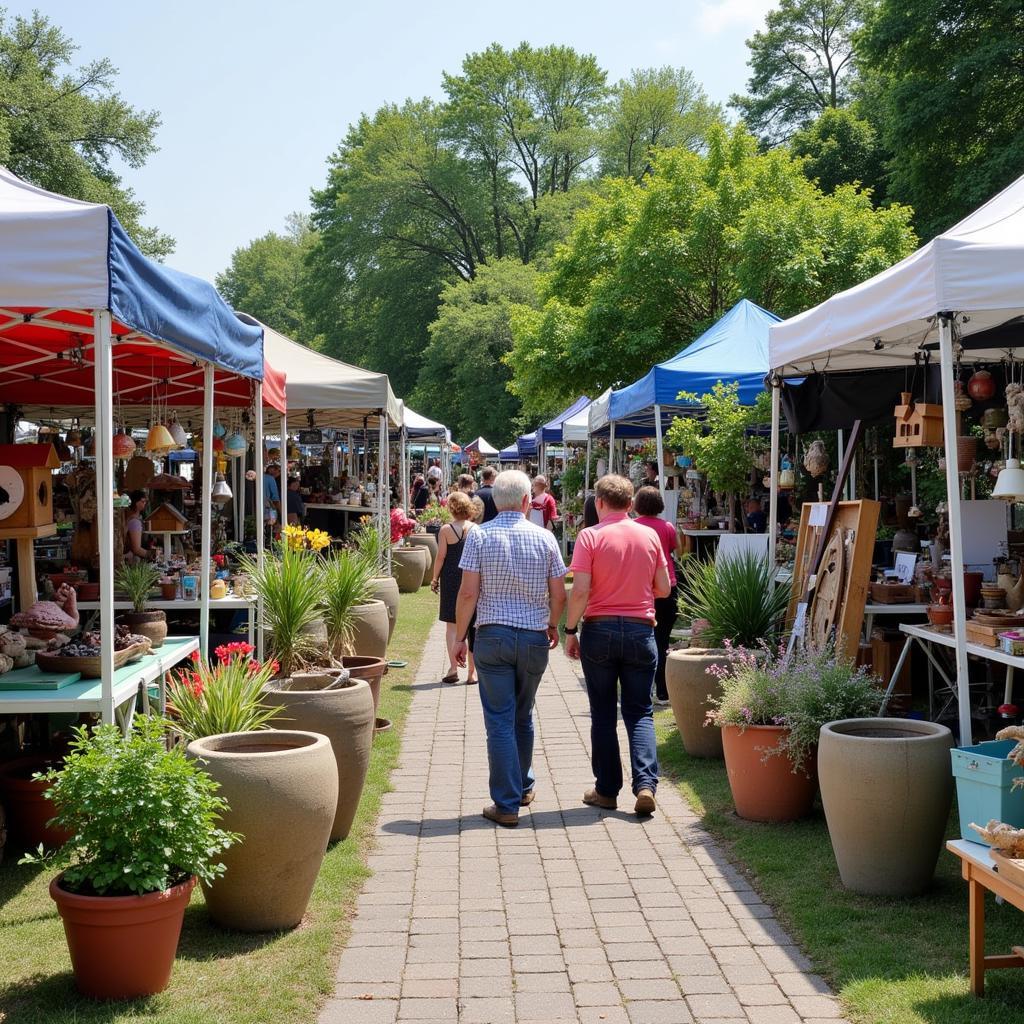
[(481, 445), (341, 395), (418, 426), (976, 267), (577, 428), (597, 412)]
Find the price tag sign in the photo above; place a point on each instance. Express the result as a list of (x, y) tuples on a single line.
[(819, 514)]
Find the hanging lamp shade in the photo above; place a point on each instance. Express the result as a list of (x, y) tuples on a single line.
[(123, 446), (159, 440), (219, 430), (218, 444), (234, 445), (177, 431), (221, 493), (74, 438), (1010, 483)]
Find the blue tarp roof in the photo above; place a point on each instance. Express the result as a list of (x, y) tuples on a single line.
[(509, 454), (526, 444), (552, 430), (733, 349)]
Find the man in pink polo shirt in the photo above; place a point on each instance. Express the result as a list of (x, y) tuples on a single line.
[(618, 569)]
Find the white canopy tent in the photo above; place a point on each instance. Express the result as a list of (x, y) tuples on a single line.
[(965, 281), (482, 446), (416, 427)]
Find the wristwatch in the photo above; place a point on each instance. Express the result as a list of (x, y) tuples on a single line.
[(571, 630)]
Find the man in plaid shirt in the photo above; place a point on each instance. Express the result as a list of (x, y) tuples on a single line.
[(512, 577)]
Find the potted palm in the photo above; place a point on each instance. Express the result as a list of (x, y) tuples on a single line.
[(356, 622), (135, 580), (771, 708), (741, 606), (370, 543), (144, 826)]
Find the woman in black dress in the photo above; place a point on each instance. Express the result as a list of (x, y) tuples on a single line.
[(448, 576)]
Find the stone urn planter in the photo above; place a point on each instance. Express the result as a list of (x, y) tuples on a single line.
[(122, 947), (282, 788), (152, 625), (689, 686), (385, 588), (28, 808), (428, 541), (886, 788), (765, 789), (370, 630), (345, 715), (372, 670), (408, 565)]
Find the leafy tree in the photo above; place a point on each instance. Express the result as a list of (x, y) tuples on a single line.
[(801, 63), (649, 267), (841, 149), (264, 277), (62, 127), (655, 108), (463, 379), (948, 76)]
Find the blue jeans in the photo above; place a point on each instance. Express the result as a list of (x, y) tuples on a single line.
[(509, 663), (615, 652)]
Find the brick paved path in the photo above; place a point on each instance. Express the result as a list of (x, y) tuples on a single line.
[(577, 915)]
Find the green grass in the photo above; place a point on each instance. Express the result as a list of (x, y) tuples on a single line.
[(891, 961), (220, 977)]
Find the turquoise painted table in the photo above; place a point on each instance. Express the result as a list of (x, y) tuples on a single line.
[(87, 695)]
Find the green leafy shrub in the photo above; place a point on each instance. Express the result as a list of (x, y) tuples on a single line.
[(136, 580), (346, 582), (143, 818)]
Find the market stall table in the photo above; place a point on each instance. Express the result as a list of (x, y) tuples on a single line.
[(347, 511), (86, 695), (871, 610), (216, 604), (702, 538), (980, 872)]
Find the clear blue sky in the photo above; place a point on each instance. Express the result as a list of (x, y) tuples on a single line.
[(255, 95)]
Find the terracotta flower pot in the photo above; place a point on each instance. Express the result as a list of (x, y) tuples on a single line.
[(689, 686), (345, 716), (886, 788), (764, 789), (428, 541), (385, 588), (282, 788), (408, 566), (28, 809), (966, 451), (168, 591), (122, 947), (150, 624), (370, 629), (940, 614), (370, 669)]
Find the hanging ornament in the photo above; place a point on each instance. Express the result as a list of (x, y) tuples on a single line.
[(962, 402), (74, 438), (159, 441), (219, 430), (177, 431), (816, 459), (221, 493), (234, 445), (123, 446), (218, 444), (982, 386)]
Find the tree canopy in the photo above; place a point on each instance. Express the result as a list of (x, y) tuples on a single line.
[(842, 148), (62, 127), (649, 266)]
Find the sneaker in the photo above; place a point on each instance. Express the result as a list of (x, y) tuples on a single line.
[(662, 702), (645, 805), (491, 813), (594, 799)]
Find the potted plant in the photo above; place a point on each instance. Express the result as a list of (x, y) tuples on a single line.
[(741, 606), (409, 564), (371, 546), (144, 825), (282, 787), (30, 812), (431, 519), (136, 580), (356, 623), (771, 709)]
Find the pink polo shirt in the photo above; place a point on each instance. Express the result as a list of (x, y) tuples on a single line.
[(666, 532), (621, 558)]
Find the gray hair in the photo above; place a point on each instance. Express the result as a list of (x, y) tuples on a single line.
[(510, 487)]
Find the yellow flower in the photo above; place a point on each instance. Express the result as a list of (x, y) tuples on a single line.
[(318, 539)]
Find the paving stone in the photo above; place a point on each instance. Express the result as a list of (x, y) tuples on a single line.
[(359, 1011), (658, 1012)]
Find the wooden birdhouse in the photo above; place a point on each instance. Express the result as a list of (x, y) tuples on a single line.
[(26, 494), (918, 424), (166, 519)]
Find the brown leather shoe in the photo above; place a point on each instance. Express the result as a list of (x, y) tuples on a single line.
[(592, 797), (491, 813), (527, 798), (645, 805)]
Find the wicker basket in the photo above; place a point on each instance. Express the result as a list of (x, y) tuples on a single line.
[(89, 668)]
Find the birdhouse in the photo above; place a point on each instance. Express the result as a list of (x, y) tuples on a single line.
[(26, 495), (918, 424), (166, 519)]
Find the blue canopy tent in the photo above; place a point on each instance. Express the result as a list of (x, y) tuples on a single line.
[(526, 445), (509, 454), (552, 430)]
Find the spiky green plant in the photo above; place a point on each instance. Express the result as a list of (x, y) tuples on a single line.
[(136, 580), (738, 597), (346, 584), (372, 544)]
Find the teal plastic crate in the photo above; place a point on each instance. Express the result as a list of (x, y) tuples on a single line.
[(984, 787)]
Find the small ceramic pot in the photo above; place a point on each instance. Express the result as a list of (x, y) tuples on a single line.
[(940, 615)]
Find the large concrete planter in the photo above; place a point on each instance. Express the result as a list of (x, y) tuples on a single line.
[(428, 541), (408, 565), (886, 788), (345, 716), (689, 686), (370, 629), (385, 588), (282, 788), (764, 788)]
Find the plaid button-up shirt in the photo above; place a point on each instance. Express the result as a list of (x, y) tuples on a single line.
[(515, 560)]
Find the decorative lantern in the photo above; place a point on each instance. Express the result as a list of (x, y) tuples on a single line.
[(221, 493), (74, 438), (177, 431), (234, 445), (159, 441), (122, 446), (982, 386), (219, 430)]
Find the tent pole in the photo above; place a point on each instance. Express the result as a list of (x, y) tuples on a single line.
[(956, 549), (611, 446), (104, 376), (773, 483), (382, 477), (207, 506), (240, 494), (586, 473), (282, 486), (403, 462), (660, 447), (259, 512)]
